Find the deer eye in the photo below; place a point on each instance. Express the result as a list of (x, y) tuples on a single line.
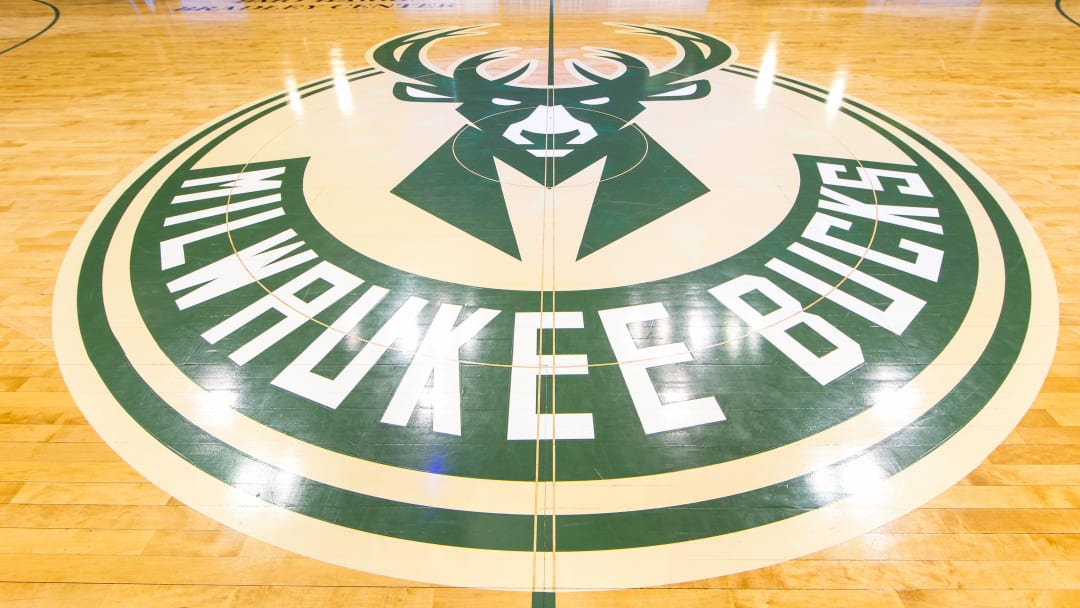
[(500, 101), (595, 101)]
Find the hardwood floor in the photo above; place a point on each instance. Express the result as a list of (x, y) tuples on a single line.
[(88, 99)]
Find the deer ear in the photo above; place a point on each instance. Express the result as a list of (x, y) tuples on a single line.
[(416, 92), (692, 90)]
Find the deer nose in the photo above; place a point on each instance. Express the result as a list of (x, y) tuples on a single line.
[(549, 120)]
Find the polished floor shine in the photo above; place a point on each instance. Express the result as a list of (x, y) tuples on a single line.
[(673, 303)]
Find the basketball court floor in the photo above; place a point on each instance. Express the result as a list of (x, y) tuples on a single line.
[(539, 303)]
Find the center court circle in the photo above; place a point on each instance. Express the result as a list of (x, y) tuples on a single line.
[(777, 350)]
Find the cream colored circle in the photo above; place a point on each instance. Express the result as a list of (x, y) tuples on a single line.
[(403, 236), (575, 571), (889, 412)]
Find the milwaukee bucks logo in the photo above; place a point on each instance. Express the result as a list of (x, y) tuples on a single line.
[(498, 320), (528, 128)]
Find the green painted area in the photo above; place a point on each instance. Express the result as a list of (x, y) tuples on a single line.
[(510, 123), (767, 404), (768, 400), (224, 462), (586, 532), (471, 199), (543, 600)]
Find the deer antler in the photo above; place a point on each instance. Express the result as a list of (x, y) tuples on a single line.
[(698, 53), (405, 56)]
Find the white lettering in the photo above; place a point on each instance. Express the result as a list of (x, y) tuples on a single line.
[(231, 185), (870, 179), (438, 356), (202, 214), (294, 310), (889, 214), (235, 271), (775, 326), (172, 250), (927, 262), (525, 420), (901, 311), (635, 362), (298, 376)]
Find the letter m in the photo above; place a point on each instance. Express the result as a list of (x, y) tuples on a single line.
[(231, 185)]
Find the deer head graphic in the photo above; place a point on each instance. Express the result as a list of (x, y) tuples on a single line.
[(551, 133)]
